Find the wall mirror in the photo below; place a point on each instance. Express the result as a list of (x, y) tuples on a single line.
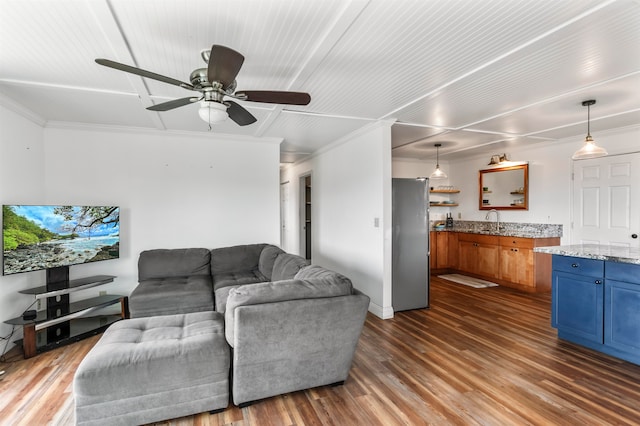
[(504, 187)]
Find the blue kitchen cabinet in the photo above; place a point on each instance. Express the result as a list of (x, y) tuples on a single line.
[(596, 304), (622, 308), (578, 299)]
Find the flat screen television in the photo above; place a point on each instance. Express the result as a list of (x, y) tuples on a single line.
[(47, 237)]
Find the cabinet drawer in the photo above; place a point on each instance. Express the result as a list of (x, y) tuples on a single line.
[(627, 272), (479, 238), (516, 242), (579, 266)]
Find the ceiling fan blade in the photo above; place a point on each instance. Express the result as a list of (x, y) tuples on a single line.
[(275, 97), (238, 114), (143, 73), (224, 65), (166, 106)]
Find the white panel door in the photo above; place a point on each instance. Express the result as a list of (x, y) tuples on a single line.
[(606, 201)]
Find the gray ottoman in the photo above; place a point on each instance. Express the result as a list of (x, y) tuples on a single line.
[(145, 370)]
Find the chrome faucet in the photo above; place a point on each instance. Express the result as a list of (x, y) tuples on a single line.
[(497, 218)]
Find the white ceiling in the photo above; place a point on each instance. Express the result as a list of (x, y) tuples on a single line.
[(476, 76)]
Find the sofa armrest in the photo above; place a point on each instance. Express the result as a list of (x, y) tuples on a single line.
[(291, 345)]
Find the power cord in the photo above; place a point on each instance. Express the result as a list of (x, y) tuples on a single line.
[(4, 351)]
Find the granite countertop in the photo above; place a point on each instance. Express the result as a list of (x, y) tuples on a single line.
[(595, 251), (507, 229)]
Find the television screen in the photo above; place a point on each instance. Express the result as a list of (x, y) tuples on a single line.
[(42, 237)]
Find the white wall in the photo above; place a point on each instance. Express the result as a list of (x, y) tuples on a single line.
[(409, 168), (550, 184), (351, 187), (174, 190), (21, 181)]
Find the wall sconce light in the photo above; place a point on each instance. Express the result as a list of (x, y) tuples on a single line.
[(589, 148), (498, 159)]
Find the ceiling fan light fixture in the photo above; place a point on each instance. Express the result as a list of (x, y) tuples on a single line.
[(438, 173), (212, 112), (589, 148)]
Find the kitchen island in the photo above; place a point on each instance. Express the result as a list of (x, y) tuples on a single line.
[(596, 297)]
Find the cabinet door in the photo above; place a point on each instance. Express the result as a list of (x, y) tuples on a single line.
[(442, 261), (452, 243), (433, 250), (577, 306), (622, 316), (467, 256), (517, 266), (488, 260)]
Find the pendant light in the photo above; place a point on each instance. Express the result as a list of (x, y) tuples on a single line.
[(589, 148), (438, 173)]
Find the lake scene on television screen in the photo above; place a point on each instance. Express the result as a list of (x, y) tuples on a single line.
[(41, 237)]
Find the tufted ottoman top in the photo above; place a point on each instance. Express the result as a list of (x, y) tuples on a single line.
[(156, 354)]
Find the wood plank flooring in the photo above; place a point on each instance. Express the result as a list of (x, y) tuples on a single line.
[(477, 357)]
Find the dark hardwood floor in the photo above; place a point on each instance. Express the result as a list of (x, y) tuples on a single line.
[(478, 356)]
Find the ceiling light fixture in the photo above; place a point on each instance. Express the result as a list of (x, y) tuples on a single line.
[(589, 148), (212, 112), (438, 173)]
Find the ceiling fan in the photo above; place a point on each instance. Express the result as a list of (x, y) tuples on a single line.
[(214, 83)]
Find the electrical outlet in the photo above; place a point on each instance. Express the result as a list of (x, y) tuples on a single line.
[(102, 293), (39, 305)]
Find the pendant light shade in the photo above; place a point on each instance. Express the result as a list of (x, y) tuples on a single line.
[(438, 173), (589, 148)]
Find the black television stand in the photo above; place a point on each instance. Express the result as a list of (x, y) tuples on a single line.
[(64, 322)]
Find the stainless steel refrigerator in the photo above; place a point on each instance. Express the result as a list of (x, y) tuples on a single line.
[(410, 244)]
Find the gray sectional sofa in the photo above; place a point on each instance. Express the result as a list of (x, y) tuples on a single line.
[(288, 325)]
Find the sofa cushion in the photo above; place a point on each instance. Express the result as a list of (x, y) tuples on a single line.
[(284, 290), (267, 259), (161, 263), (234, 278), (235, 258), (173, 295), (287, 266)]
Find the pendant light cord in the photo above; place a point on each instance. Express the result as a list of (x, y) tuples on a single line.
[(589, 120)]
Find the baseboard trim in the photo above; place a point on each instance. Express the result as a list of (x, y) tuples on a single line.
[(385, 312)]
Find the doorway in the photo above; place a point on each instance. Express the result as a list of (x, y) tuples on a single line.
[(606, 206), (305, 216), (284, 215)]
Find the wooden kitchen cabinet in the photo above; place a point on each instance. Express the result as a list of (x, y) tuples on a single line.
[(521, 267), (444, 251), (439, 252), (517, 260), (433, 250), (508, 261), (453, 255), (479, 255)]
